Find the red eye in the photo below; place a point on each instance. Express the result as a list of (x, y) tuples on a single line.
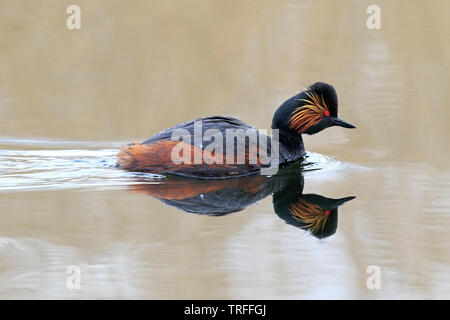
[(327, 113), (327, 213)]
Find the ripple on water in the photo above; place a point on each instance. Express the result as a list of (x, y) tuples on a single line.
[(49, 169), (316, 161), (53, 169)]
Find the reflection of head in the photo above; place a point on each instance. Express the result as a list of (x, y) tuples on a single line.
[(312, 212), (311, 215)]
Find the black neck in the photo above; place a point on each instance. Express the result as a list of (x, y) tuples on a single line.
[(291, 146)]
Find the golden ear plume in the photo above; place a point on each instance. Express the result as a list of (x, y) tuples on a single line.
[(308, 115)]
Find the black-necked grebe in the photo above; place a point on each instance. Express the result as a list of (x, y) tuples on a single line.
[(308, 112)]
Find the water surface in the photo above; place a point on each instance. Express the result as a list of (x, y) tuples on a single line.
[(70, 99)]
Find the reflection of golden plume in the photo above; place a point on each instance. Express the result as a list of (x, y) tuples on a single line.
[(308, 115), (310, 214)]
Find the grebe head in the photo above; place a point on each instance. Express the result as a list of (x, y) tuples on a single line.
[(310, 111)]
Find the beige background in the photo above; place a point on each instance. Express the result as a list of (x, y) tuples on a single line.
[(137, 67)]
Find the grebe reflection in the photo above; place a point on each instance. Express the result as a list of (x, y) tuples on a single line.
[(311, 212)]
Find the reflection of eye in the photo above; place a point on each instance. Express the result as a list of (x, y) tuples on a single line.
[(327, 213), (327, 113)]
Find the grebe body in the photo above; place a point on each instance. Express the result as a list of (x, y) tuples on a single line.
[(308, 112)]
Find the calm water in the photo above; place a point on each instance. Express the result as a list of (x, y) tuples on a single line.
[(70, 99)]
